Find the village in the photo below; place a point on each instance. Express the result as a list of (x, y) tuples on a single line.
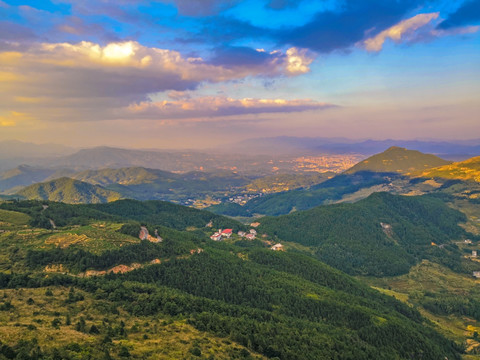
[(223, 234)]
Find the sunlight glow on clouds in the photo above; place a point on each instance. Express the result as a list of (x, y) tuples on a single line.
[(220, 106), (400, 32), (418, 27), (12, 118), (87, 81), (267, 66)]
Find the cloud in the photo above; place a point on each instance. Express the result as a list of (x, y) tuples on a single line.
[(219, 106), (293, 62), (336, 30), (403, 31), (467, 14), (87, 81), (298, 61), (10, 31), (12, 118), (203, 7), (77, 26), (417, 28)]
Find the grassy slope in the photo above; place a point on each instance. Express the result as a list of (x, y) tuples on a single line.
[(465, 170), (161, 337)]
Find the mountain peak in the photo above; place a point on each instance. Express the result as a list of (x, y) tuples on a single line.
[(396, 148), (398, 160)]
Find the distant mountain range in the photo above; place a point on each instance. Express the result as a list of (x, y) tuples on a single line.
[(14, 153), (253, 155), (450, 150), (395, 170)]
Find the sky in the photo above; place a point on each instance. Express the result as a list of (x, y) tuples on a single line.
[(206, 73)]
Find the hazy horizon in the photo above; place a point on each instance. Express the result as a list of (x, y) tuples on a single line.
[(340, 140)]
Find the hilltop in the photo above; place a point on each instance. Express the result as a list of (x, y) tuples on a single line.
[(398, 160), (69, 191)]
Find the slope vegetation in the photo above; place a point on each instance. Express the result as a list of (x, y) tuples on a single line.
[(69, 191), (270, 304), (465, 170), (381, 235)]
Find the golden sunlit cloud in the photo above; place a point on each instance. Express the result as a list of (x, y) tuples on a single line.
[(399, 31), (220, 106), (86, 81), (12, 118), (297, 61)]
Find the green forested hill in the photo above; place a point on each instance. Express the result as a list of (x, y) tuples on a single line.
[(69, 191), (147, 212), (398, 160), (279, 305), (351, 236)]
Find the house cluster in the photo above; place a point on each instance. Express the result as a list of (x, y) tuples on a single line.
[(226, 233), (249, 236), (220, 234), (476, 274), (242, 199), (277, 247)]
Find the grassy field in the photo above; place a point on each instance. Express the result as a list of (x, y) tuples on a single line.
[(13, 219), (47, 317), (98, 237)]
